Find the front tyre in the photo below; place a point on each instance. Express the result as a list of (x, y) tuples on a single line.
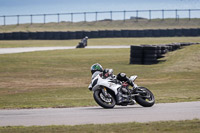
[(145, 99), (105, 102)]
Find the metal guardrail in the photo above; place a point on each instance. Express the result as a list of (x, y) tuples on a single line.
[(174, 13)]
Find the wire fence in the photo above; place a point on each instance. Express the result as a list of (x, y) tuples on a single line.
[(102, 15)]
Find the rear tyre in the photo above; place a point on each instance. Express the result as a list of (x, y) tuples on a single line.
[(147, 99), (105, 102)]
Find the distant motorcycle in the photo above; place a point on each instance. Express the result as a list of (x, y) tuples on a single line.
[(108, 92)]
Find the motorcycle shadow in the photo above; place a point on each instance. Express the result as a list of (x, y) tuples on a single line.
[(116, 107)]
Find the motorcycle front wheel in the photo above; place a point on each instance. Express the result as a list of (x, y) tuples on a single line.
[(105, 102), (146, 99)]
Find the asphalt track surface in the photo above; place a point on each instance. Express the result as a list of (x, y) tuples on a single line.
[(33, 49), (94, 115), (98, 115)]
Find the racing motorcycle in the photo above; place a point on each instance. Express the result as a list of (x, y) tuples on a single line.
[(108, 92)]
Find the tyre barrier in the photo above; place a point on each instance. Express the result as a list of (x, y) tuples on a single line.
[(149, 54), (136, 55), (61, 35)]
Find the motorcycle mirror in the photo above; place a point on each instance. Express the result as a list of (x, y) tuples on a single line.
[(133, 78)]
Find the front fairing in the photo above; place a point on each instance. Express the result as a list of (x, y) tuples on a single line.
[(108, 83)]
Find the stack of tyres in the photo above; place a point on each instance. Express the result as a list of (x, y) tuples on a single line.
[(117, 33), (185, 44), (48, 35), (125, 33), (40, 35), (1, 36), (24, 35), (33, 35), (86, 33), (64, 35), (8, 36), (109, 33), (169, 47), (56, 35), (136, 56), (94, 34), (172, 47), (79, 34), (164, 49), (177, 46), (150, 54), (16, 35), (72, 35), (102, 33)]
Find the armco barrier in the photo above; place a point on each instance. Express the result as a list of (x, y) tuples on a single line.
[(98, 34)]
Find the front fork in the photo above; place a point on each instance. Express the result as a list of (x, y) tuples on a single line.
[(105, 93)]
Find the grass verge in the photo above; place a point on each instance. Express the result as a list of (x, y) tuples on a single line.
[(60, 78), (105, 25), (191, 126), (96, 42)]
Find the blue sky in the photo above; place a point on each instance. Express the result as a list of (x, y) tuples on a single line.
[(25, 7), (13, 7)]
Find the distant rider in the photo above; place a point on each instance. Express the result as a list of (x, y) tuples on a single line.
[(84, 41)]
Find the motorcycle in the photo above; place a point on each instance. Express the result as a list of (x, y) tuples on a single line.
[(108, 92)]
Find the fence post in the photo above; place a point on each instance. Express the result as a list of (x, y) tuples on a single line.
[(58, 18), (189, 14), (4, 20), (72, 17), (85, 19), (44, 18), (137, 16), (96, 16), (17, 19), (149, 15), (124, 15), (176, 12), (163, 15), (111, 15), (31, 19)]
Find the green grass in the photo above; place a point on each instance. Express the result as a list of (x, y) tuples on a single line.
[(104, 25), (97, 42), (60, 78), (189, 126)]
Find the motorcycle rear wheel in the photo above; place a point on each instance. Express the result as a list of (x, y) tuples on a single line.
[(102, 101), (147, 100)]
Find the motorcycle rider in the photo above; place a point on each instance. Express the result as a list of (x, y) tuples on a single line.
[(98, 69), (84, 41)]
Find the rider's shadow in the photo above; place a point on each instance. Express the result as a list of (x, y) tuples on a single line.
[(115, 108)]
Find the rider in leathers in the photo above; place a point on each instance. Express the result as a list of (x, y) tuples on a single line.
[(98, 69)]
